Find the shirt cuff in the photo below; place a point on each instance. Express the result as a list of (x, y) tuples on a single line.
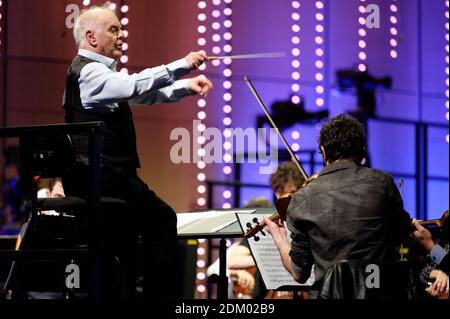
[(437, 253), (180, 88), (179, 68)]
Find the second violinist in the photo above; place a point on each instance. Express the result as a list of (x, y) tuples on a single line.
[(348, 212)]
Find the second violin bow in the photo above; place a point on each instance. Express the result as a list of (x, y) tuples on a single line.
[(249, 56)]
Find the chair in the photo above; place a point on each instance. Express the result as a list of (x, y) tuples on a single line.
[(349, 279), (58, 241)]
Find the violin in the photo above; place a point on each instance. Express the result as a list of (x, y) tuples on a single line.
[(436, 222), (281, 206), (283, 201)]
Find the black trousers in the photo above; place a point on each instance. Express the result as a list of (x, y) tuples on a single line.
[(148, 216)]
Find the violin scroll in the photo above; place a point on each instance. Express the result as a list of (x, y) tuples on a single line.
[(252, 231)]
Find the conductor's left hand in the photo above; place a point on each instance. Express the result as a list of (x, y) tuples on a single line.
[(200, 85)]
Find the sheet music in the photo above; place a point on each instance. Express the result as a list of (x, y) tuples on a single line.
[(268, 259), (208, 221)]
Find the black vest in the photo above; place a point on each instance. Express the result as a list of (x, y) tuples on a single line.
[(118, 141)]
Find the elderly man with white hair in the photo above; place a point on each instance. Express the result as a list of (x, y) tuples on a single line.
[(96, 92)]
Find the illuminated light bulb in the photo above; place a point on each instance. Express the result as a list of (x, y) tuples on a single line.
[(215, 25), (201, 152), (319, 102), (319, 76), (295, 99), (295, 75), (201, 201), (227, 97), (227, 109), (226, 145), (201, 276), (295, 16), (201, 4), (227, 85), (215, 13), (201, 189), (201, 41), (201, 115), (201, 29), (124, 21), (201, 127), (227, 23), (201, 177), (227, 36), (201, 165), (227, 133), (319, 89), (227, 158), (227, 48), (201, 103), (201, 17)]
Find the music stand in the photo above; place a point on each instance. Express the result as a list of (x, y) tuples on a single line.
[(206, 225)]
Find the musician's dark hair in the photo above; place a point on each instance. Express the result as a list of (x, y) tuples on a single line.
[(285, 173), (343, 137)]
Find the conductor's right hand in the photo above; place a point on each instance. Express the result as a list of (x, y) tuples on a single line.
[(195, 59), (200, 85)]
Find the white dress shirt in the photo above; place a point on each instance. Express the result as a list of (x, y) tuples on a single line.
[(102, 88)]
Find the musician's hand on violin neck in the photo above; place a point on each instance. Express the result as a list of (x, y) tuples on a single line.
[(276, 230), (422, 235)]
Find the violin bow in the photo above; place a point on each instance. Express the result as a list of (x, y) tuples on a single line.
[(286, 144), (249, 56)]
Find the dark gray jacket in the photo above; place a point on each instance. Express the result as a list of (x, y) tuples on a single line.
[(347, 213)]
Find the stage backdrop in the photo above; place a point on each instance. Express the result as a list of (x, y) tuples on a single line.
[(319, 38)]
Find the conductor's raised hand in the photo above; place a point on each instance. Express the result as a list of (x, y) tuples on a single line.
[(200, 85), (195, 59)]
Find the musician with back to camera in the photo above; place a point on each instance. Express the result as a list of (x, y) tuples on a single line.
[(348, 212)]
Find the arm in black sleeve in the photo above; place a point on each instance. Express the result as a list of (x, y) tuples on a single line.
[(399, 219)]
